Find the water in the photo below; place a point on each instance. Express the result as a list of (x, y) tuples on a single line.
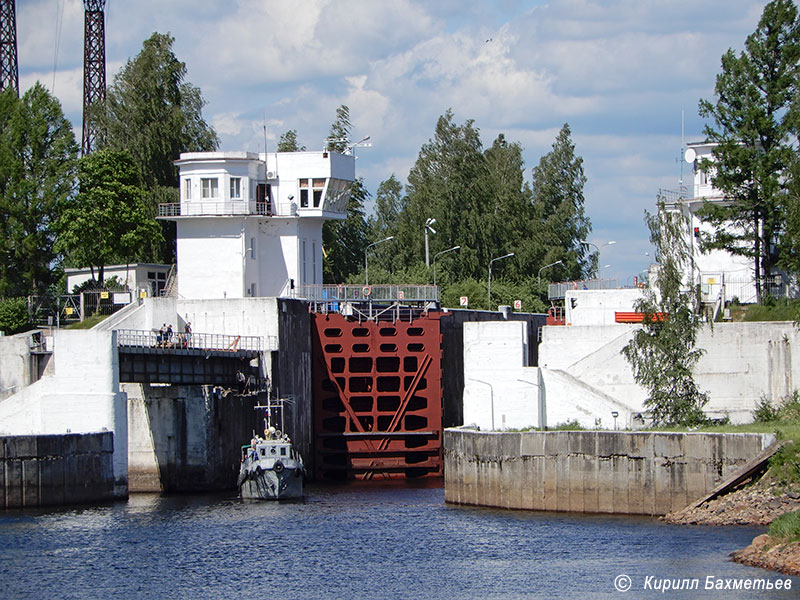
[(375, 541)]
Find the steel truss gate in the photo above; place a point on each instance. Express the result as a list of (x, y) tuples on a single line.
[(377, 397)]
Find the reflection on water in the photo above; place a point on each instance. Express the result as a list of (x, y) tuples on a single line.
[(358, 541)]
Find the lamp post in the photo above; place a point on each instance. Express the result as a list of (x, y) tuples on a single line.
[(539, 283), (490, 276), (428, 228), (366, 266), (588, 243), (438, 254), (491, 396)]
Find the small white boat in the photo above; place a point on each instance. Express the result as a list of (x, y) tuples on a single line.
[(271, 468)]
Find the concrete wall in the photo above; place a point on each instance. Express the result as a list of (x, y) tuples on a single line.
[(81, 396), (187, 438), (598, 307), (742, 362), (42, 470), (452, 326), (591, 471), (16, 364)]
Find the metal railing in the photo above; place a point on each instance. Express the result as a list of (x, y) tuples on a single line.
[(223, 208), (199, 341), (367, 293), (556, 291)]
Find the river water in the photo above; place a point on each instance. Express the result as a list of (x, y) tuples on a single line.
[(359, 541)]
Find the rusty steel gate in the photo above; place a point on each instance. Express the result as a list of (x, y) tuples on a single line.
[(377, 397)]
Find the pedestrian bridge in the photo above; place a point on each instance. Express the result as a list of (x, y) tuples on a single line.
[(145, 356)]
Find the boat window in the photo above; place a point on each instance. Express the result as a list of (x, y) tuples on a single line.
[(283, 450), (262, 451), (272, 450)]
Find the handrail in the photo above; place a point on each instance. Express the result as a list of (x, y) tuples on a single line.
[(200, 341)]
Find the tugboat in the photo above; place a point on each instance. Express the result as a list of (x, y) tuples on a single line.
[(271, 469)]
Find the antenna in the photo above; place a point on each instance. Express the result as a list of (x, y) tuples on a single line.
[(683, 145)]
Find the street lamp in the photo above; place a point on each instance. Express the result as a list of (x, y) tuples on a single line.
[(428, 228), (491, 395), (438, 254), (366, 267), (490, 275), (558, 262), (588, 243)]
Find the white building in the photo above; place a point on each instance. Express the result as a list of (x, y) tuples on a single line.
[(251, 224), (135, 276), (721, 275)]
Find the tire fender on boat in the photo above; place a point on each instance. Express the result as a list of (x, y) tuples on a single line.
[(278, 466)]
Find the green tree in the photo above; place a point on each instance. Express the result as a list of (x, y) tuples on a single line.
[(339, 134), (288, 142), (558, 205), (109, 221), (38, 154), (389, 204), (154, 114), (449, 182), (662, 353), (14, 316), (755, 125), (344, 241)]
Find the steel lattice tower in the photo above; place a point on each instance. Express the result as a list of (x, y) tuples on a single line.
[(9, 68), (94, 67)]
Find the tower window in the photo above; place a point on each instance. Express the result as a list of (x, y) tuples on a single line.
[(210, 187)]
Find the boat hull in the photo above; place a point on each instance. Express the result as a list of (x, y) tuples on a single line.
[(260, 484)]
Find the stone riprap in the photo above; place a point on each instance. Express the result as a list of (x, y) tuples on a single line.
[(647, 473)]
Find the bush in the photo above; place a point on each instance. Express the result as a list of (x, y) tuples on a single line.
[(765, 412), (14, 315), (786, 527), (785, 465)]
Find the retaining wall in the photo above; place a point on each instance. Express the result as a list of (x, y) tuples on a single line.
[(42, 470), (646, 473)]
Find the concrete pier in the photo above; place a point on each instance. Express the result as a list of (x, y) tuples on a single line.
[(48, 470), (645, 473)]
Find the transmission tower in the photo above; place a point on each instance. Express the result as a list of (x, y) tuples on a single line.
[(9, 69), (94, 67)]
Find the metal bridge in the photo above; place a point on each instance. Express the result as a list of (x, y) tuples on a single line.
[(147, 356)]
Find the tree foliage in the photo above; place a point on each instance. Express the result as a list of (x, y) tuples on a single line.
[(662, 353), (558, 204), (755, 125), (109, 221), (344, 242), (14, 316), (288, 142), (154, 114), (38, 154)]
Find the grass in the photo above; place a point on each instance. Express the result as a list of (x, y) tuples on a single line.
[(786, 527), (771, 310), (87, 323)]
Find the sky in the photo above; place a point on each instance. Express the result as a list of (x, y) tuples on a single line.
[(626, 75)]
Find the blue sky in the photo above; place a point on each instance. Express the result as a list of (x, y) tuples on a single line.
[(620, 72)]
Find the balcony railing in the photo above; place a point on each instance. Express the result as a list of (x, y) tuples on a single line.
[(192, 208)]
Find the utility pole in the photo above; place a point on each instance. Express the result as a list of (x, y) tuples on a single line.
[(94, 68), (9, 68)]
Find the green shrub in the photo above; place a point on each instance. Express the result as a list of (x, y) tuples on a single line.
[(785, 465), (765, 411), (786, 527), (572, 425), (14, 315)]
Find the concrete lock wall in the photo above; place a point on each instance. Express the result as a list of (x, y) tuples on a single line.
[(46, 470), (187, 438), (645, 473), (741, 363), (82, 395)]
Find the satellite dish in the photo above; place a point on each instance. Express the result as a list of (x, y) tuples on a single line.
[(690, 155)]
